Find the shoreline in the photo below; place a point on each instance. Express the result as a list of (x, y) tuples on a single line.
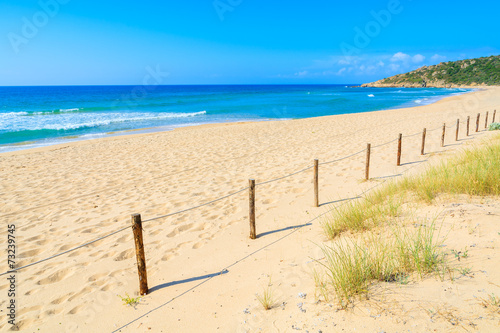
[(55, 142)]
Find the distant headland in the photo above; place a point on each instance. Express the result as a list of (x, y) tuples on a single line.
[(453, 74)]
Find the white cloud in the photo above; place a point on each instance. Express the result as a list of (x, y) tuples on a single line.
[(438, 57), (385, 64), (418, 58), (400, 56), (341, 71), (394, 67), (303, 73)]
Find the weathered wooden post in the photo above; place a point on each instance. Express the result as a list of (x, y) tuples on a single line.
[(486, 121), (251, 214), (468, 121), (458, 127), (442, 136), (139, 253), (477, 122), (399, 149), (316, 183), (422, 150), (367, 167)]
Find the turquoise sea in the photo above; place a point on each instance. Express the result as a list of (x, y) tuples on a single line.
[(38, 116)]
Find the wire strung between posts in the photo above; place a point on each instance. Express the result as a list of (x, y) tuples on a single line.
[(383, 144), (67, 251), (188, 209), (411, 135), (343, 158), (115, 232), (292, 174), (434, 129)]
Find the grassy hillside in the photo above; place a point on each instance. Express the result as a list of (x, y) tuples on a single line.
[(469, 72)]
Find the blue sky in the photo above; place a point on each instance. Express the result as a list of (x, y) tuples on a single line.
[(76, 42)]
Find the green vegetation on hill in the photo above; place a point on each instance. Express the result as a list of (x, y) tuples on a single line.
[(469, 72)]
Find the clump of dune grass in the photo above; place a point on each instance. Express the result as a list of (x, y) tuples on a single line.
[(494, 127), (363, 214), (351, 266), (475, 172), (267, 299), (492, 303)]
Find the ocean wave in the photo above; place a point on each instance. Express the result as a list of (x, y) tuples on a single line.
[(73, 123), (13, 114), (58, 111), (371, 95)]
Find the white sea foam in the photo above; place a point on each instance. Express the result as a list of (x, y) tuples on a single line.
[(371, 95), (72, 121), (69, 110), (13, 114)]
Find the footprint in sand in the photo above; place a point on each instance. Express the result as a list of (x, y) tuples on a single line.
[(180, 229), (25, 323), (124, 255), (125, 238), (156, 232), (29, 309), (75, 253), (198, 245), (57, 276), (32, 239), (50, 312), (106, 287), (60, 299), (76, 309), (108, 254), (42, 242), (84, 291), (169, 256), (96, 277), (268, 201)]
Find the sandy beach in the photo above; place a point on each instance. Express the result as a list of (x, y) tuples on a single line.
[(203, 270)]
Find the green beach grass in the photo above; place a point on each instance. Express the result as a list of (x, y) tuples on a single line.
[(403, 246), (351, 265), (475, 172)]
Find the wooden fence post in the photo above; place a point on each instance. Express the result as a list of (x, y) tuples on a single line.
[(399, 149), (477, 122), (422, 150), (486, 121), (458, 127), (367, 167), (494, 114), (251, 214), (139, 253), (316, 183), (442, 136), (468, 121)]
